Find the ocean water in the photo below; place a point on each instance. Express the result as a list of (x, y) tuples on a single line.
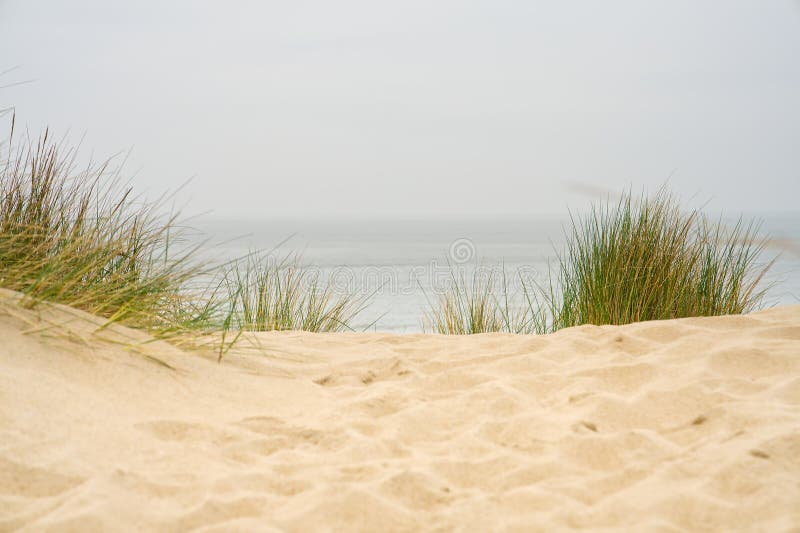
[(404, 264)]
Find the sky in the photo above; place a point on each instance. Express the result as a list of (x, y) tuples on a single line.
[(314, 108)]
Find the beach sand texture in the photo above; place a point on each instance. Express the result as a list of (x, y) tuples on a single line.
[(689, 424)]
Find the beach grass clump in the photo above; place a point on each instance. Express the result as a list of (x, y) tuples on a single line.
[(267, 293), (641, 258), (484, 302), (82, 239), (647, 259)]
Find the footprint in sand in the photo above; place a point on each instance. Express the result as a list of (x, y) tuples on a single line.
[(17, 479), (179, 431)]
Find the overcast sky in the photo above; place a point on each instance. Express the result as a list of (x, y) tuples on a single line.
[(414, 107)]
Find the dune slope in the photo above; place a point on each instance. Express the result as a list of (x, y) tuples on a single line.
[(686, 424)]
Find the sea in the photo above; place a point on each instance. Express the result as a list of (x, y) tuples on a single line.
[(403, 265)]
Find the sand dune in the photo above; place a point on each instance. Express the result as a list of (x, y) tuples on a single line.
[(678, 425)]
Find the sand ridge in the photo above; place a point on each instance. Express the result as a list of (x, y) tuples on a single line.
[(688, 424)]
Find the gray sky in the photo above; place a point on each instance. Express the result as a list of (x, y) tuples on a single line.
[(366, 107)]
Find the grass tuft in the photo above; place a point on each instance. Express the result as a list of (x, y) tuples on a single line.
[(267, 295), (484, 303), (82, 239), (647, 259)]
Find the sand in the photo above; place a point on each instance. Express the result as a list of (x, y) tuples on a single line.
[(689, 424)]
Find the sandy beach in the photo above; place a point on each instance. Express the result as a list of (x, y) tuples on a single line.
[(688, 424)]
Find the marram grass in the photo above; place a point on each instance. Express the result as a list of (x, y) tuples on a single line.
[(269, 294), (81, 238), (638, 259), (484, 303), (647, 259)]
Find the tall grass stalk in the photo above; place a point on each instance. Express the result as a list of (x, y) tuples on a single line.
[(268, 294)]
